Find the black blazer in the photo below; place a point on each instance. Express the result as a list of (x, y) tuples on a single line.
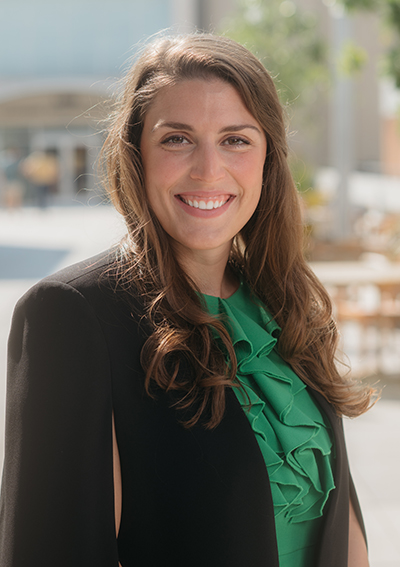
[(193, 497)]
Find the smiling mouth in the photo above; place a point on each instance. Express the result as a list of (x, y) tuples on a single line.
[(205, 205)]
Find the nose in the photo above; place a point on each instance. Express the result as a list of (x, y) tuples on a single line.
[(207, 164)]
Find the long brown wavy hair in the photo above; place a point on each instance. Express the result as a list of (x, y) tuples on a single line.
[(268, 252)]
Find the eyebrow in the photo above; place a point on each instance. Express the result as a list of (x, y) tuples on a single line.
[(188, 128)]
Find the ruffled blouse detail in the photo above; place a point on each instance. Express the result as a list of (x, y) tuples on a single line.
[(293, 435)]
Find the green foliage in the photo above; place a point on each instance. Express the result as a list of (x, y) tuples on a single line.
[(393, 63), (394, 13), (389, 10), (303, 174), (363, 4), (286, 39), (288, 42), (352, 59)]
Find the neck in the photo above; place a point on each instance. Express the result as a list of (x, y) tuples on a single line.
[(210, 271)]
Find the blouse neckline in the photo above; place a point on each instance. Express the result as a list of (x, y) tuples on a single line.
[(292, 433)]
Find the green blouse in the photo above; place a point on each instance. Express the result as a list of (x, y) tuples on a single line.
[(293, 435)]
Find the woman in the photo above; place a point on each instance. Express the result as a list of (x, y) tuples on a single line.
[(175, 401)]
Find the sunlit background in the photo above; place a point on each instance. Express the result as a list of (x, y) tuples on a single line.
[(337, 68)]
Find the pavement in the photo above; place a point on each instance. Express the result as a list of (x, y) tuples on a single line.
[(35, 243)]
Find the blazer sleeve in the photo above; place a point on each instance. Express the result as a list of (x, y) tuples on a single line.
[(57, 500)]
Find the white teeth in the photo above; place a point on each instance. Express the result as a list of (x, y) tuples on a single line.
[(205, 206)]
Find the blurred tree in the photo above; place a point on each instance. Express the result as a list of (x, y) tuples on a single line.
[(288, 41), (389, 10), (351, 60)]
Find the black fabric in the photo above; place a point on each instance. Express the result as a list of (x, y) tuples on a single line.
[(190, 497)]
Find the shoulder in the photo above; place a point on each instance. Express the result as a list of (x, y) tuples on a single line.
[(84, 276), (77, 299), (92, 282), (75, 323), (58, 456)]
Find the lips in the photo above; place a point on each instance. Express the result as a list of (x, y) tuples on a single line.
[(205, 204)]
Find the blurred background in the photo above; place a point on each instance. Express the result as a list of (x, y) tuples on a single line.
[(337, 68)]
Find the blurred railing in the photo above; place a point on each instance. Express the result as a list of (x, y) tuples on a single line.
[(366, 297)]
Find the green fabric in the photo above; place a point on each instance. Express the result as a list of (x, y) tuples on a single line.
[(292, 433)]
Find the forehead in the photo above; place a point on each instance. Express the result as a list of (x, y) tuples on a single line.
[(198, 99)]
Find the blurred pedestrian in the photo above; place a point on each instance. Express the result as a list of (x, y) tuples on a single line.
[(175, 400), (42, 170)]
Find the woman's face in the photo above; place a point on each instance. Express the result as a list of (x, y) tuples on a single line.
[(203, 155)]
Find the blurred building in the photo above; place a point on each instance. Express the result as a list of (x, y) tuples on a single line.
[(59, 60)]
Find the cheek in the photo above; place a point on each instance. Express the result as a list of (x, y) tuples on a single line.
[(253, 204), (252, 179), (155, 201), (161, 172), (250, 168)]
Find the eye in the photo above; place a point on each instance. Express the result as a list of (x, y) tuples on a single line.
[(175, 140), (236, 141)]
